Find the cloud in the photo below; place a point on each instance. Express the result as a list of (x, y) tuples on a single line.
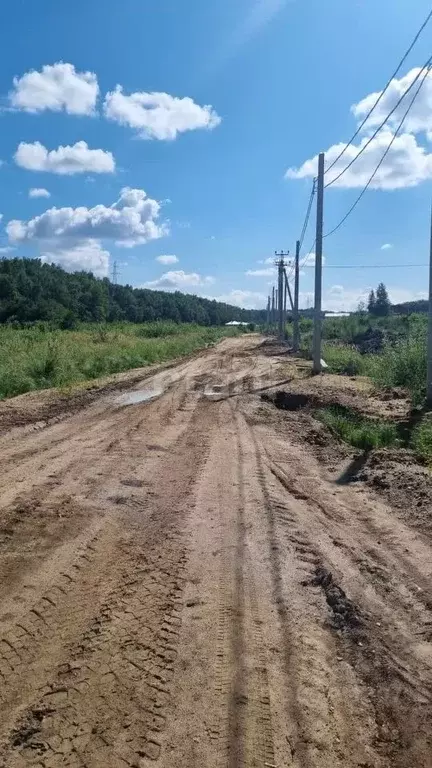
[(38, 192), (65, 161), (158, 115), (1, 216), (245, 299), (131, 220), (6, 249), (408, 162), (87, 255), (175, 280), (309, 260), (406, 165), (268, 272), (167, 259), (339, 298), (58, 87), (420, 116), (386, 247)]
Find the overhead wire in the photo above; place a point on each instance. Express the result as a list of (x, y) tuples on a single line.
[(305, 223), (376, 132), (394, 137), (381, 95)]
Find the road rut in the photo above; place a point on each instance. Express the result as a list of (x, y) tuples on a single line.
[(184, 585)]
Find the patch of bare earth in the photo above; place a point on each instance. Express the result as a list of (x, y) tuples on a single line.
[(184, 583)]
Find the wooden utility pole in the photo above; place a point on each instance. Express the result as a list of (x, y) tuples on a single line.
[(296, 317), (429, 346), (317, 334)]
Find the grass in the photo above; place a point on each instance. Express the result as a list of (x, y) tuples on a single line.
[(357, 430), (344, 360), (38, 358), (421, 441), (402, 365)]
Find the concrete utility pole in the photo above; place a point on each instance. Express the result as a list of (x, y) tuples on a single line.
[(288, 290), (296, 317), (273, 306), (429, 348), (317, 334), (268, 312), (280, 263)]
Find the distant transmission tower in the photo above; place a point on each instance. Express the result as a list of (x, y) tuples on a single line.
[(115, 273)]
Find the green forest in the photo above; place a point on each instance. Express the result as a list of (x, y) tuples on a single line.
[(31, 291)]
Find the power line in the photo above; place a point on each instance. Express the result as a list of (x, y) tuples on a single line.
[(394, 137), (375, 134), (402, 61), (372, 266), (305, 224), (308, 213)]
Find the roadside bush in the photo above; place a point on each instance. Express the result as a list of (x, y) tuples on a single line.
[(358, 431), (421, 441), (402, 365), (344, 360)]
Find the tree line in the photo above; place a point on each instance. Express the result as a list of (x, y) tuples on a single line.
[(31, 291)]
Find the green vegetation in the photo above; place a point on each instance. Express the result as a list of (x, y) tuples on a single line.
[(344, 360), (421, 440), (31, 292), (391, 350), (357, 430), (38, 358)]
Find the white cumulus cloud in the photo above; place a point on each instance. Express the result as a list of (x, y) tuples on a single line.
[(65, 161), (339, 298), (87, 255), (39, 192), (131, 220), (406, 165), (242, 298), (309, 260), (167, 259), (158, 115), (419, 118), (267, 272), (386, 247), (58, 87), (408, 162), (176, 280)]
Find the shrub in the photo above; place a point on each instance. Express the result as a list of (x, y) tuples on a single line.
[(421, 441), (344, 360), (357, 430), (402, 365)]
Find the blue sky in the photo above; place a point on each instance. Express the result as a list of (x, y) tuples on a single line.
[(245, 91)]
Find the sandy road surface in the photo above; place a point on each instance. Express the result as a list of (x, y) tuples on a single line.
[(184, 586)]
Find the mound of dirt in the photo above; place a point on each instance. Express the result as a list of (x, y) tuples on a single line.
[(399, 477)]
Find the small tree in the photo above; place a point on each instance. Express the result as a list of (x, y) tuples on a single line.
[(371, 303), (382, 301)]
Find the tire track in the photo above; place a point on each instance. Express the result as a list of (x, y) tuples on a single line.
[(105, 701)]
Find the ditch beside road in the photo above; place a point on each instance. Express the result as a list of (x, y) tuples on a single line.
[(189, 579)]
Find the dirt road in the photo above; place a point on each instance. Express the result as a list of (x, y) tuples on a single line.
[(184, 586)]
